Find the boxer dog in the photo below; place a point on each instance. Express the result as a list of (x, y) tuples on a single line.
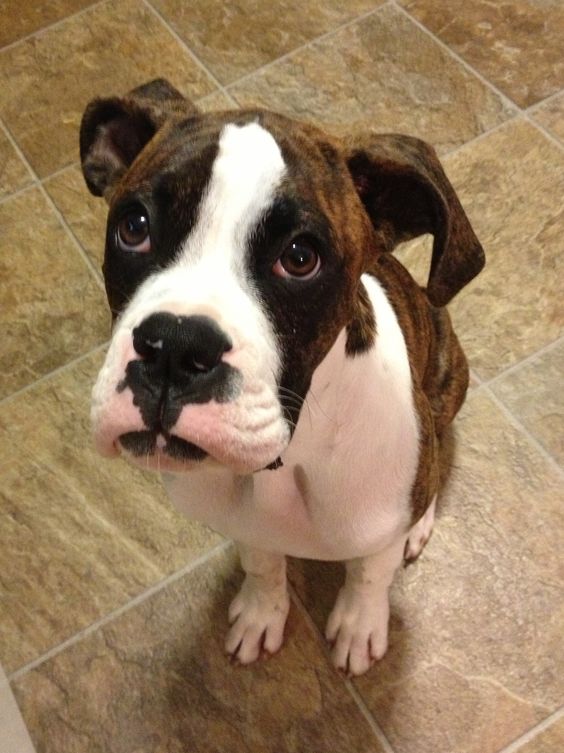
[(270, 356)]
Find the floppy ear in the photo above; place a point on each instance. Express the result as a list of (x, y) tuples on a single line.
[(114, 130), (406, 193)]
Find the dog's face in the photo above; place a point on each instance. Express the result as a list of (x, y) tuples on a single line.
[(234, 249)]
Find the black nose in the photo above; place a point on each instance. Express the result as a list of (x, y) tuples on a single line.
[(180, 348)]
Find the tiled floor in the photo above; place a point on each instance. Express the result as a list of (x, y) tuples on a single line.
[(112, 606)]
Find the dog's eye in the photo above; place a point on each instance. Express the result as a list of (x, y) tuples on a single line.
[(299, 260), (133, 232)]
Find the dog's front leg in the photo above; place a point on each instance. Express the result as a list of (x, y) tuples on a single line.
[(358, 625), (258, 613)]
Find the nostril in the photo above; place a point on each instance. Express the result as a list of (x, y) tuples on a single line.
[(184, 347), (150, 349), (202, 362)]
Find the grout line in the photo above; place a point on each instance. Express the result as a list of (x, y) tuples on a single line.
[(52, 374), (60, 170), (86, 259), (531, 109), (505, 99), (114, 614), (194, 57), (376, 729), (481, 136), (309, 43), (553, 139), (54, 25), (476, 378), (353, 692), (31, 172), (517, 744), (19, 191), (58, 214), (524, 361), (516, 422)]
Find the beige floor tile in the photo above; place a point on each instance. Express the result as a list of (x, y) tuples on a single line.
[(235, 38), (14, 737), (79, 536), (382, 74), (549, 741), (533, 392), (156, 679), (51, 308), (551, 116), (475, 646), (215, 102), (515, 44), (20, 19), (13, 173), (511, 184), (85, 214), (46, 81)]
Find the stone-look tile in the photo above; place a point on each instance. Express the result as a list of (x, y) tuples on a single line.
[(382, 74), (551, 115), (511, 184), (46, 81), (15, 737), (51, 308), (533, 392), (85, 214), (13, 172), (475, 644), (156, 679), (215, 102), (235, 38), (550, 740), (515, 44), (79, 536), (20, 19)]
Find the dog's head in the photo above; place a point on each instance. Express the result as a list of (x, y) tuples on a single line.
[(234, 250)]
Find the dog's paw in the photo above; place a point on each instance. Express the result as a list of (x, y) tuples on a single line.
[(358, 630), (420, 534), (257, 620)]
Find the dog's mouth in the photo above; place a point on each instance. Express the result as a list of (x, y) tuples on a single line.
[(148, 443)]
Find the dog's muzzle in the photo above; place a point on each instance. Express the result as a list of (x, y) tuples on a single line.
[(179, 362), (176, 390)]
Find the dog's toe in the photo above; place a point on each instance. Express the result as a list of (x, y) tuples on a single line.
[(358, 632), (258, 621), (355, 653)]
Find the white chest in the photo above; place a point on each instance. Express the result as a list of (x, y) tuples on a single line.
[(344, 488)]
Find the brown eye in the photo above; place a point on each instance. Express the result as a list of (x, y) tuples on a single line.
[(133, 232), (299, 260)]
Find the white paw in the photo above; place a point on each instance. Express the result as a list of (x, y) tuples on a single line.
[(358, 629), (420, 534), (258, 618)]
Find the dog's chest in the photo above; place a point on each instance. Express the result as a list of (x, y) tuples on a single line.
[(344, 487)]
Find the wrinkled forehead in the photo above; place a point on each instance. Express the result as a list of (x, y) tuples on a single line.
[(250, 152)]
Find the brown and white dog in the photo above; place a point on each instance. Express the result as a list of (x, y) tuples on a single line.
[(269, 354)]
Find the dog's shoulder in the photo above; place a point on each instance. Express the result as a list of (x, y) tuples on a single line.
[(438, 365)]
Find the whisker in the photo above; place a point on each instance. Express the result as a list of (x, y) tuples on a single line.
[(320, 408)]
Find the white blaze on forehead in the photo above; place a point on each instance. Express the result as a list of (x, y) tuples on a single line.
[(246, 172), (210, 274)]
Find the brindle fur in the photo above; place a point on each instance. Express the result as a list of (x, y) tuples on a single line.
[(374, 192)]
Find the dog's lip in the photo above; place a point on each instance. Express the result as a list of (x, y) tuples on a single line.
[(159, 445), (158, 442)]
